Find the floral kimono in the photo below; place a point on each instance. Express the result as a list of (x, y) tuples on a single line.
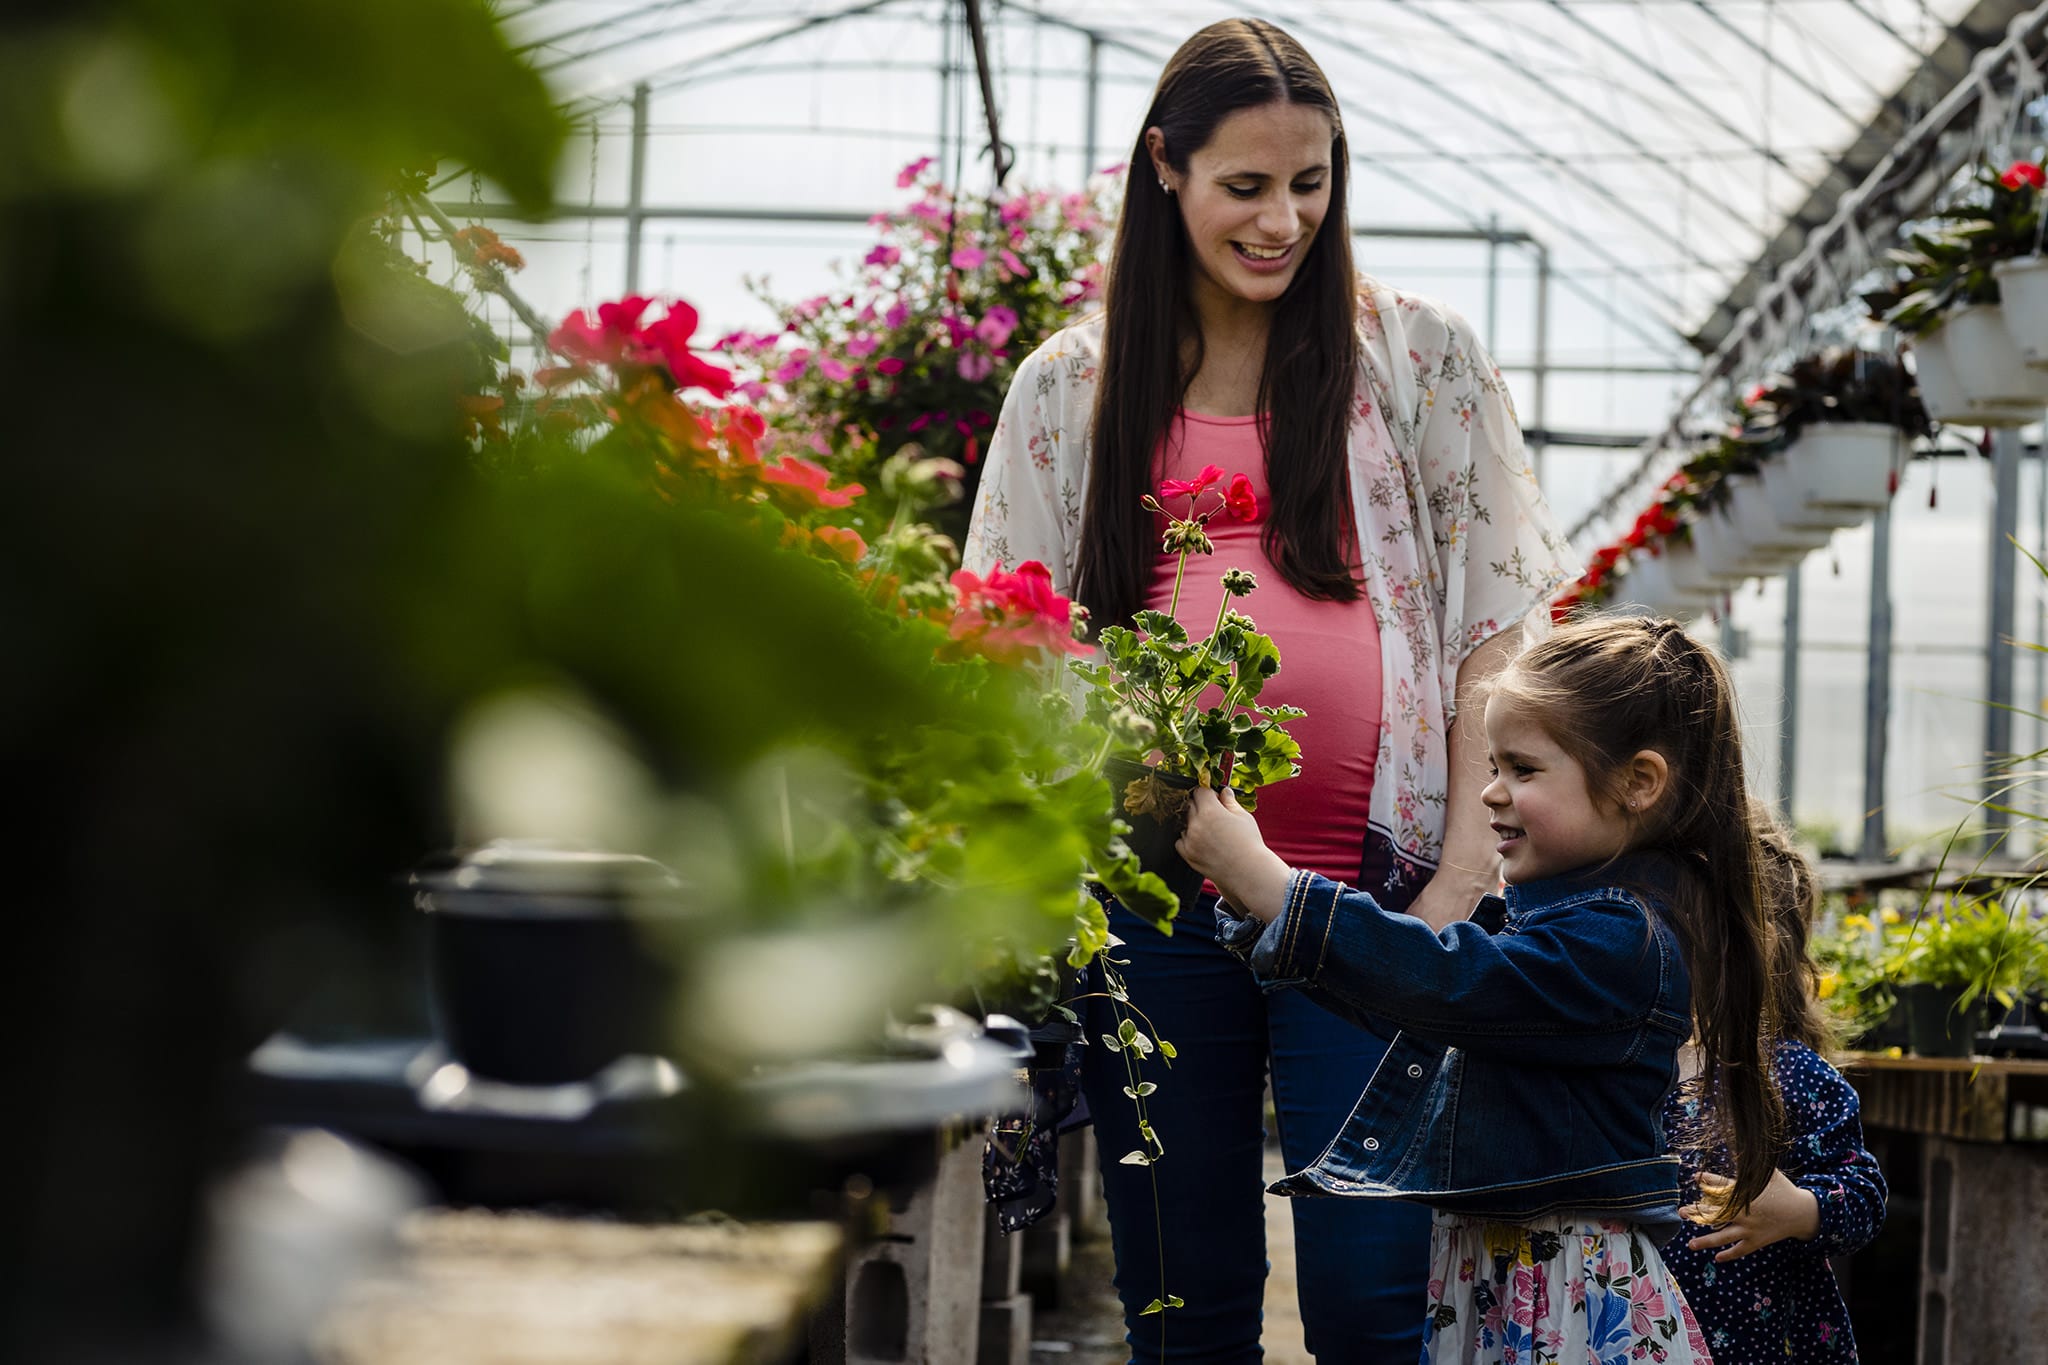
[(1456, 541)]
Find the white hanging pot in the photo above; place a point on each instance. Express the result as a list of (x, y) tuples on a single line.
[(2023, 295), (1688, 575), (1772, 543), (1650, 583), (1723, 555), (1836, 474), (1989, 365), (1943, 394)]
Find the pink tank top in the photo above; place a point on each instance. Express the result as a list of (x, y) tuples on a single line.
[(1329, 655)]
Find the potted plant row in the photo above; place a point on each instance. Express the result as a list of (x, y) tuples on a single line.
[(1933, 981), (1981, 357)]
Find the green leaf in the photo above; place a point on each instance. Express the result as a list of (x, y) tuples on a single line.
[(1146, 1087), (1109, 1040), (1153, 1307), (1134, 1159), (1167, 1049), (1175, 1301), (1127, 1031), (1066, 1014)]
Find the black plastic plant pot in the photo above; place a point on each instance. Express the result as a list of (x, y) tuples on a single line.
[(1152, 839), (539, 968), (1937, 1027)]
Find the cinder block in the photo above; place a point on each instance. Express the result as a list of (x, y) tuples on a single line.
[(1985, 1207), (1006, 1331), (914, 1297), (1002, 1260)]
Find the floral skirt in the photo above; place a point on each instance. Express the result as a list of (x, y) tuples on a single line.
[(1555, 1291)]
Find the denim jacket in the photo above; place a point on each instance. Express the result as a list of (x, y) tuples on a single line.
[(1533, 1044)]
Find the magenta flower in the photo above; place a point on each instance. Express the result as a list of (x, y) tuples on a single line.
[(976, 366), (833, 369), (883, 254), (861, 345), (907, 177), (1192, 488), (898, 314), (969, 258), (794, 367), (1011, 263), (889, 364), (996, 325)]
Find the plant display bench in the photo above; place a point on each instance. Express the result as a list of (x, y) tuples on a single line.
[(476, 1288), (1979, 1129)]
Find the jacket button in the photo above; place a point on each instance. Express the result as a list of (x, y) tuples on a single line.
[(1372, 1144), (1415, 1070)]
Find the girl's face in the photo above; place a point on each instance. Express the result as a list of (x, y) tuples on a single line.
[(1252, 199), (1544, 813)]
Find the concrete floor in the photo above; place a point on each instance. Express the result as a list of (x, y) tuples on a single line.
[(1088, 1329)]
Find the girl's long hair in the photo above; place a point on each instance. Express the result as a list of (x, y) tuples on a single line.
[(1793, 892), (1606, 688), (1312, 349)]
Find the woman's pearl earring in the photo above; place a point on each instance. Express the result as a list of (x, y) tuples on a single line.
[(1164, 187)]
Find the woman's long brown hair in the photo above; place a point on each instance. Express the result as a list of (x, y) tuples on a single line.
[(1606, 688), (1312, 350)]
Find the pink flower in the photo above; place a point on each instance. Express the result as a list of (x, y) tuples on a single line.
[(1242, 501), (670, 339), (969, 258), (1192, 488), (996, 325), (1011, 263), (862, 345), (889, 364), (807, 483), (883, 255), (793, 368), (617, 339), (1013, 617), (898, 314), (834, 370), (976, 366), (907, 177), (1645, 1305), (1014, 209)]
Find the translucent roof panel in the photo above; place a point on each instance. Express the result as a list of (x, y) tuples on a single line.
[(1646, 151)]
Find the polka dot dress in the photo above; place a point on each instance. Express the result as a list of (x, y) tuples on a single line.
[(1782, 1303)]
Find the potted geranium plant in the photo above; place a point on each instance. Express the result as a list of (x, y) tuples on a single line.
[(1183, 712), (1947, 298), (1840, 417)]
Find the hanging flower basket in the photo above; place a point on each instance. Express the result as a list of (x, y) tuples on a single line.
[(1989, 364), (2023, 290), (1650, 583), (1724, 555), (1836, 474), (1773, 544), (1935, 365)]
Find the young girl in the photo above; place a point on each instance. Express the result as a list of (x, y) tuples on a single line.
[(1759, 1281), (1522, 1097)]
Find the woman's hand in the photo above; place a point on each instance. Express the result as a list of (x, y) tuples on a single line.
[(1223, 844), (1783, 1210)]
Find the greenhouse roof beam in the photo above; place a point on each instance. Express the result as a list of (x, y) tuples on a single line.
[(696, 60), (1983, 28), (1888, 104), (1521, 67)]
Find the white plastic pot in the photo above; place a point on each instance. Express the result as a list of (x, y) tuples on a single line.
[(1989, 365), (1836, 474), (1773, 544), (1724, 556), (1649, 583), (2023, 293), (1942, 391), (1688, 574)]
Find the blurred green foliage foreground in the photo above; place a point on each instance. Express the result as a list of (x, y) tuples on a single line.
[(261, 597)]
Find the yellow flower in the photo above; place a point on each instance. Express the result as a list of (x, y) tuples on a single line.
[(1888, 915), (1857, 922), (1826, 989)]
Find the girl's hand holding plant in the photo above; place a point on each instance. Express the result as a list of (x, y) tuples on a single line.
[(1223, 844)]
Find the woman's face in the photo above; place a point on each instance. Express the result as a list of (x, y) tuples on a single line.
[(1252, 199)]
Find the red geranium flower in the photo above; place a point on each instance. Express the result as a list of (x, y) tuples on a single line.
[(808, 483), (1011, 617), (1195, 487), (670, 339), (1241, 500), (2024, 173)]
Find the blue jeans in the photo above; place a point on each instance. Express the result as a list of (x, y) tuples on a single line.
[(1361, 1265)]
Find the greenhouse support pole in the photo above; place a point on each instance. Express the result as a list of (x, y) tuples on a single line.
[(1493, 283), (636, 189), (1877, 689), (2006, 450), (2038, 703), (1788, 685), (1541, 369), (1094, 106)]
